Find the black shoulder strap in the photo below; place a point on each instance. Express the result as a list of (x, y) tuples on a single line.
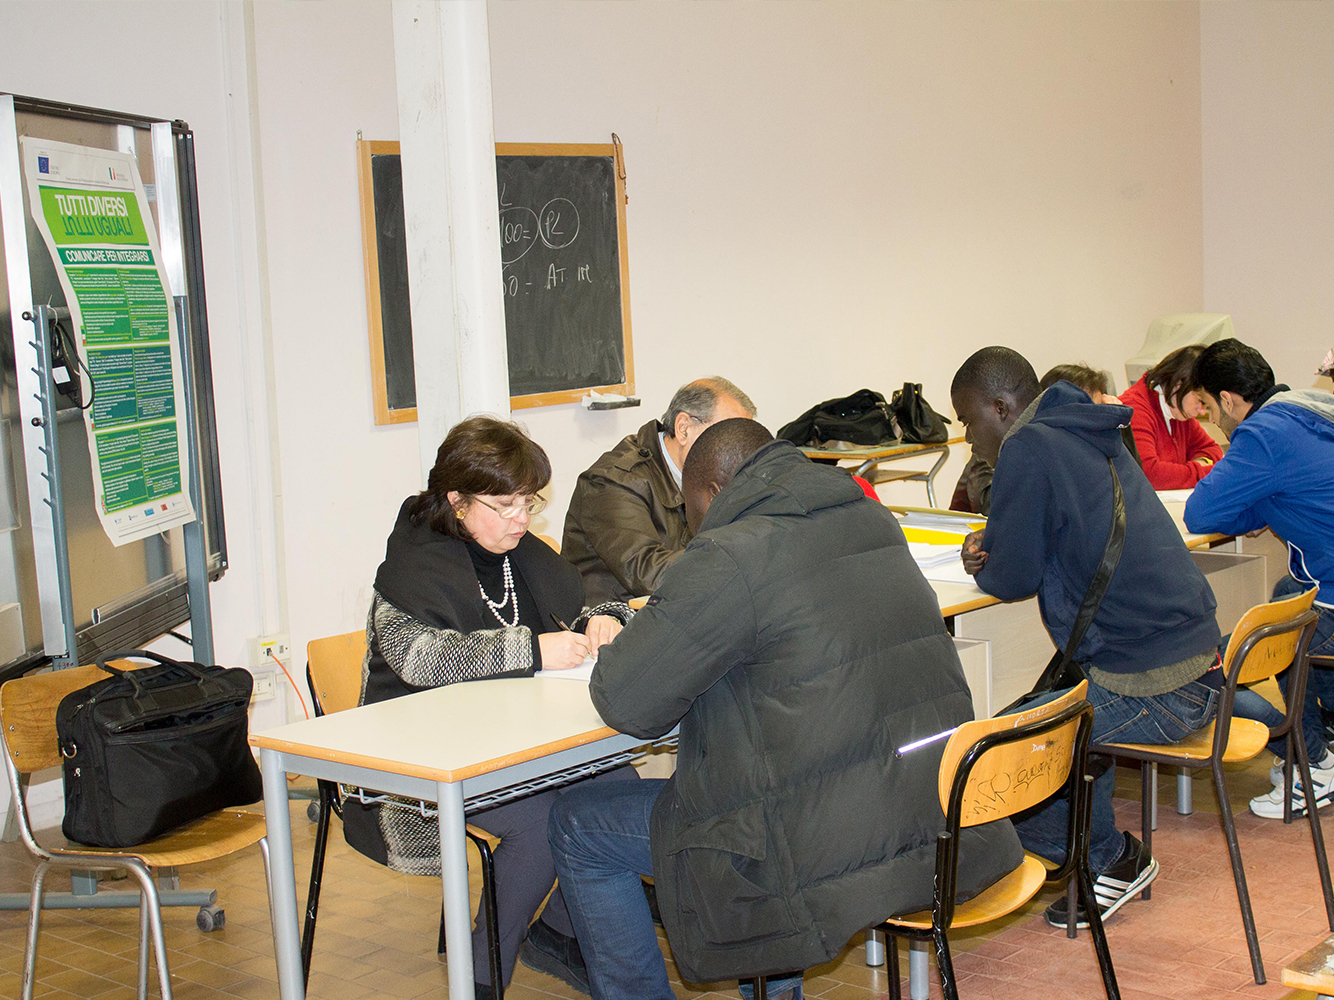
[(1102, 578)]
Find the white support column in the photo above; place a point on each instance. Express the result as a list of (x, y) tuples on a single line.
[(443, 62)]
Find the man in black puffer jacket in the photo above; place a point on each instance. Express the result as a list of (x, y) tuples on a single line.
[(798, 646)]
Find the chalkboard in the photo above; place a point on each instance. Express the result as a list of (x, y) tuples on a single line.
[(564, 273)]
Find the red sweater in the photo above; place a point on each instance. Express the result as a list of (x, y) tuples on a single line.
[(1166, 452)]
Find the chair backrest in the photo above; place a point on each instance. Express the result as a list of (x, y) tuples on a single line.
[(1274, 653), (334, 664), (1013, 775), (28, 712), (549, 540)]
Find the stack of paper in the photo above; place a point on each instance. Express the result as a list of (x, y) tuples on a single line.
[(927, 554)]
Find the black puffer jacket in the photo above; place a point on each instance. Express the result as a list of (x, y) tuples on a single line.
[(797, 644)]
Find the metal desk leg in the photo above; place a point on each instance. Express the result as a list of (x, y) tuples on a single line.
[(282, 878), (918, 970), (875, 948), (1184, 788), (931, 476), (454, 875)]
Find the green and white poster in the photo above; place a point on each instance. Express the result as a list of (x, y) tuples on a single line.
[(91, 209)]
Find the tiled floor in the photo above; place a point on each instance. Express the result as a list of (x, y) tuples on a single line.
[(377, 930)]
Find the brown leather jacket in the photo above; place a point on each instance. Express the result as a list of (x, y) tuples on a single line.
[(626, 521)]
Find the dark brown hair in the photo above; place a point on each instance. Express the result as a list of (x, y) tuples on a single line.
[(1089, 379), (1175, 374), (480, 455)]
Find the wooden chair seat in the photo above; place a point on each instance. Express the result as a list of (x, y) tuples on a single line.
[(1005, 896), (1246, 739), (205, 839)]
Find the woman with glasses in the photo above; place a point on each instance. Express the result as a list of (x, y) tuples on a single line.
[(466, 593)]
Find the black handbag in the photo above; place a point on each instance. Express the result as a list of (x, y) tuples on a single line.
[(918, 423), (863, 418), (1062, 672), (147, 750)]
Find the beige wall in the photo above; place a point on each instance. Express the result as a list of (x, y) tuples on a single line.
[(825, 196), (1268, 137)]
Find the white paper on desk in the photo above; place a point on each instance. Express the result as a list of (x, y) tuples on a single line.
[(1174, 496), (927, 554), (583, 672), (950, 572)]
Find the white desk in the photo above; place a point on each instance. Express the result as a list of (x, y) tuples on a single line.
[(448, 745)]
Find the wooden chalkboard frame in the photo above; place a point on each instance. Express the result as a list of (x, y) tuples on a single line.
[(368, 148)]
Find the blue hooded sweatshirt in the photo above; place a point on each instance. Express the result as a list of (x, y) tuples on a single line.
[(1279, 471), (1051, 513)]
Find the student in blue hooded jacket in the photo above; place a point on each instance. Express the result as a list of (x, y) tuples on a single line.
[(1151, 652), (1278, 473)]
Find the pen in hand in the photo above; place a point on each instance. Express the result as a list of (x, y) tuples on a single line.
[(560, 624)]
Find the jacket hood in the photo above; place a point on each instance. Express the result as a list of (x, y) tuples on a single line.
[(778, 480), (1069, 408), (1318, 402)]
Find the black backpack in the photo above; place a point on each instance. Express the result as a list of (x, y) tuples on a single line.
[(863, 418)]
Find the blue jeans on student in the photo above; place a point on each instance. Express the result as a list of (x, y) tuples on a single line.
[(1319, 686), (1117, 718), (600, 842)]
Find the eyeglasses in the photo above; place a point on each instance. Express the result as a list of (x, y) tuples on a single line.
[(534, 506)]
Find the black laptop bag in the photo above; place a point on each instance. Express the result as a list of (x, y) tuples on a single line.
[(150, 749)]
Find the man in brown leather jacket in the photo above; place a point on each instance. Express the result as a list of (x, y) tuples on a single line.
[(626, 521)]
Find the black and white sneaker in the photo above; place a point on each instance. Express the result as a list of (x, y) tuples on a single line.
[(1115, 887)]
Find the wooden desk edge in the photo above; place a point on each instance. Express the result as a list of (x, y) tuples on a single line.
[(877, 451), (447, 775), (981, 601)]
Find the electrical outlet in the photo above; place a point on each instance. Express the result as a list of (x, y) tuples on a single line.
[(261, 645), (265, 687)]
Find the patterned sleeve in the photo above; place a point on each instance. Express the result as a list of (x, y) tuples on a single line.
[(427, 657), (613, 609)]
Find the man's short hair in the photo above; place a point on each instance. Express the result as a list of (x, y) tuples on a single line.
[(1089, 379), (995, 373), (699, 399), (720, 451), (1231, 366)]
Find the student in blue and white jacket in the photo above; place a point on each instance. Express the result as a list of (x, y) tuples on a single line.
[(1278, 473)]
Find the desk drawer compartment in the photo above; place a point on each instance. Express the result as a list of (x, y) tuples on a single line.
[(1238, 581)]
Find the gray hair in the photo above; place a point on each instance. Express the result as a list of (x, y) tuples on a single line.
[(699, 400)]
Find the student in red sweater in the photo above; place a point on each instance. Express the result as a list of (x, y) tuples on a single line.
[(1175, 450)]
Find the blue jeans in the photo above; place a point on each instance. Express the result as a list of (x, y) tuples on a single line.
[(600, 842), (1117, 718), (1319, 687)]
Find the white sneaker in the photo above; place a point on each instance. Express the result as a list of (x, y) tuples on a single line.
[(1270, 806), (1276, 772)]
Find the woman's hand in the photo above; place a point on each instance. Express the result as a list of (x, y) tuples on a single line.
[(562, 650), (974, 556), (601, 629)]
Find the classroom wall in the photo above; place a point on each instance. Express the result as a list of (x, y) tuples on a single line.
[(826, 196), (1267, 74)]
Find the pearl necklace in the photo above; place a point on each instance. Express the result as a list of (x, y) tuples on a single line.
[(509, 598)]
